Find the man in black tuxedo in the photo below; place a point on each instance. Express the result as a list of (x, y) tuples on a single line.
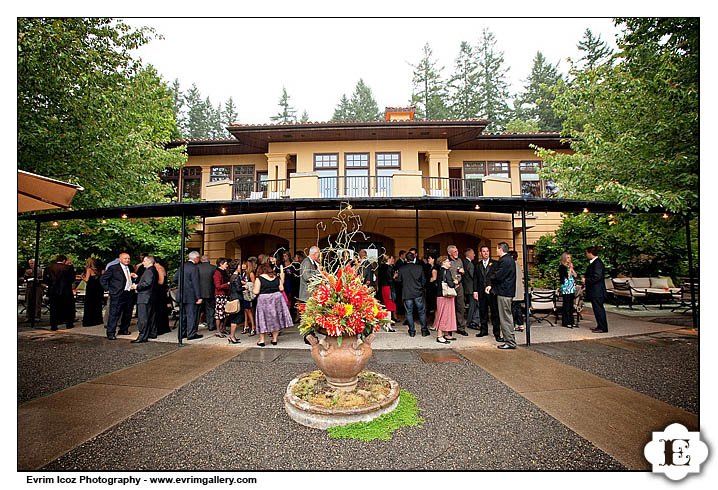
[(59, 278), (191, 296), (487, 301), (366, 270), (117, 279), (147, 282), (467, 283), (206, 287), (398, 264), (413, 280), (596, 289)]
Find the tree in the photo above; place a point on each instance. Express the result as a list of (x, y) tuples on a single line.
[(286, 113), (305, 117), (492, 87), (537, 98), (179, 116), (464, 99), (521, 126), (97, 118), (230, 114), (363, 107), (198, 114), (596, 50), (343, 110), (216, 128), (429, 93)]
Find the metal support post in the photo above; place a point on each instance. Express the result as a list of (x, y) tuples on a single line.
[(691, 272), (180, 283), (527, 295)]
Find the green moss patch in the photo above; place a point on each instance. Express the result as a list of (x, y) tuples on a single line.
[(406, 414)]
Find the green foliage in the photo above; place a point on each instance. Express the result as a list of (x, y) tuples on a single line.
[(305, 117), (462, 84), (287, 114), (520, 126), (429, 92), (343, 110), (636, 245), (595, 50), (406, 414), (361, 107), (492, 87), (535, 102)]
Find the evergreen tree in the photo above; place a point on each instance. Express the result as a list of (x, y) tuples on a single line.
[(179, 116), (305, 117), (596, 50), (343, 110), (535, 103), (217, 126), (463, 96), (492, 87), (195, 124), (287, 113), (521, 126), (363, 106), (428, 93), (230, 114)]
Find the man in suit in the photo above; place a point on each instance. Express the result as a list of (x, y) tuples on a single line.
[(59, 278), (412, 279), (457, 270), (147, 282), (398, 264), (308, 269), (117, 279), (366, 270), (503, 284), (191, 296), (487, 302), (467, 283), (206, 288), (596, 289)]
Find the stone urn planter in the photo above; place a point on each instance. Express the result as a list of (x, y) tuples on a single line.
[(341, 364)]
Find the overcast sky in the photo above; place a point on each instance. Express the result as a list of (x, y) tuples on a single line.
[(318, 60)]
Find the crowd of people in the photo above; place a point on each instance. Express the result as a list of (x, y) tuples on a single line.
[(259, 295)]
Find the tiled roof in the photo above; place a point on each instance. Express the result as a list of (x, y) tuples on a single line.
[(540, 133), (205, 140), (339, 123), (401, 109)]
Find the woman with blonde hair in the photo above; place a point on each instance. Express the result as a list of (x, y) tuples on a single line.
[(567, 276), (248, 299)]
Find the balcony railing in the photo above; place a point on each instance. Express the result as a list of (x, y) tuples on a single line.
[(260, 189), (355, 186), (451, 187)]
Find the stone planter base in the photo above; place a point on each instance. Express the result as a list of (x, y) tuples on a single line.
[(324, 417)]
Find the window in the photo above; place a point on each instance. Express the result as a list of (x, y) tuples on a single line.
[(356, 180), (388, 160), (243, 176), (473, 172), (262, 178), (386, 165), (217, 174), (191, 181), (498, 169), (326, 165), (531, 184)]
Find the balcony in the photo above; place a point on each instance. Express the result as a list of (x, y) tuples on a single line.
[(356, 186), (451, 187), (260, 189)]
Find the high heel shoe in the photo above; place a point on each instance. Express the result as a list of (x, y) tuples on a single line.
[(273, 342), (442, 340), (252, 333), (261, 344), (232, 340)]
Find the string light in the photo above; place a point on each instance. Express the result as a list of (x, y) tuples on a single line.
[(223, 211), (55, 223), (665, 216), (610, 216), (585, 210), (124, 216), (477, 207), (104, 222)]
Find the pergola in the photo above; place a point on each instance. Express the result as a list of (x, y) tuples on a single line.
[(207, 209)]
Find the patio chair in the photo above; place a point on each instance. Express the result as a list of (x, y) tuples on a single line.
[(578, 300), (275, 195), (610, 298), (256, 195), (685, 296), (624, 291), (543, 302), (175, 312)]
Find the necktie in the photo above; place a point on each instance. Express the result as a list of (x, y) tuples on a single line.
[(127, 276)]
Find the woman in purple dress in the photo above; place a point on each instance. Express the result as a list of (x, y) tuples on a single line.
[(272, 313)]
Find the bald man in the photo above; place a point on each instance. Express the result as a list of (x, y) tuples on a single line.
[(117, 279)]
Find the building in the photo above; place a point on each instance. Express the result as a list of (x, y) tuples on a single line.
[(399, 157)]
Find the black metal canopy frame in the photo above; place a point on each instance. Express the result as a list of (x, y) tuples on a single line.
[(205, 209)]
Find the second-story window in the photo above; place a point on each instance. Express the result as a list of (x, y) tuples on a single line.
[(386, 164), (531, 184), (473, 172), (217, 174), (356, 179), (189, 179), (326, 165), (388, 160), (498, 169)]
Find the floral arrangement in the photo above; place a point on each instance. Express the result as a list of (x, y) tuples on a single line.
[(341, 305)]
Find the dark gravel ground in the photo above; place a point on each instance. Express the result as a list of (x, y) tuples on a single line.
[(50, 362), (666, 366), (232, 418)]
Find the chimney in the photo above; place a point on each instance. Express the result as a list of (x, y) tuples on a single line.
[(399, 113)]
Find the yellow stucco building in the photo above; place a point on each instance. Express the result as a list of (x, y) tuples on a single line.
[(397, 157)]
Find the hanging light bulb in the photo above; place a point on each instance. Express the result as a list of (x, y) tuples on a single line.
[(585, 210), (223, 211), (104, 222), (55, 224), (477, 207), (610, 216), (665, 216), (124, 216)]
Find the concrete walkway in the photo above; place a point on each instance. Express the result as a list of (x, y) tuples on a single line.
[(50, 426), (619, 421)]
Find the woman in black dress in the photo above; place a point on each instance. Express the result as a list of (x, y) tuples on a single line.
[(432, 270), (160, 298), (235, 293), (94, 294)]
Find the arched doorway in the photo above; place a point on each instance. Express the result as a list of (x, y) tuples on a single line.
[(382, 243), (437, 244), (253, 245)]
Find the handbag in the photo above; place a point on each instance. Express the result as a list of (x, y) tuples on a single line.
[(232, 306), (447, 291), (248, 295)]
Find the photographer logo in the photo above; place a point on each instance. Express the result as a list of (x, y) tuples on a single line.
[(676, 452)]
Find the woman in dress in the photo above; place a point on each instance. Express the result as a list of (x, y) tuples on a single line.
[(221, 295), (272, 311), (445, 319), (385, 279), (567, 277), (432, 270), (235, 293), (159, 298), (94, 294), (247, 279)]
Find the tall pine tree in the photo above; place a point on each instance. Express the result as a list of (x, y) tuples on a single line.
[(343, 110), (428, 93), (305, 117), (287, 113), (363, 107), (535, 102), (463, 97), (179, 116), (595, 50), (230, 114), (195, 124), (492, 86)]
